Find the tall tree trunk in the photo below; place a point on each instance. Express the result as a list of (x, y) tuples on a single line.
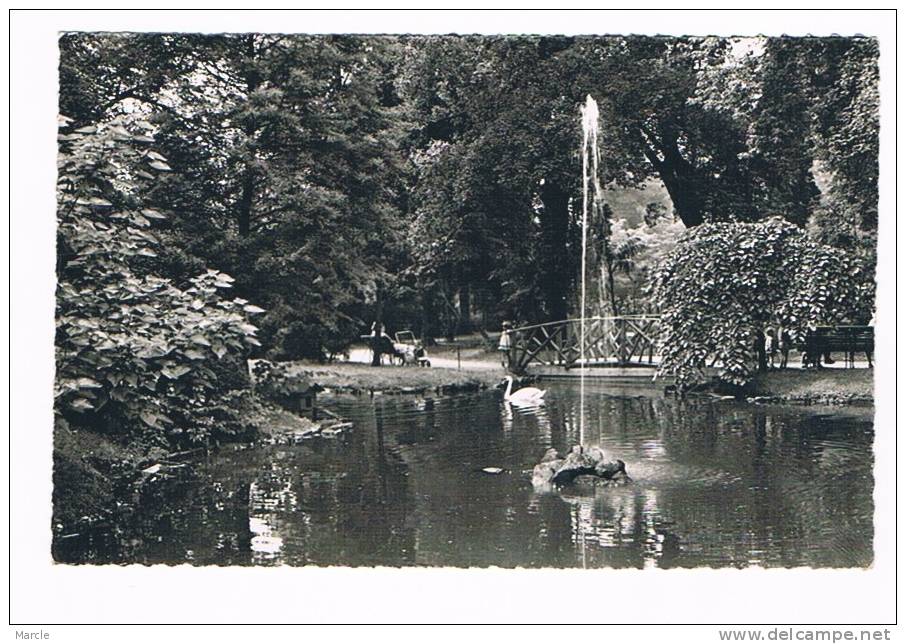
[(451, 312), (465, 309), (247, 198), (603, 257), (609, 287), (378, 327), (556, 266), (427, 315), (245, 203), (679, 178)]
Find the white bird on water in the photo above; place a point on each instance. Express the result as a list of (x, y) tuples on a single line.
[(524, 396)]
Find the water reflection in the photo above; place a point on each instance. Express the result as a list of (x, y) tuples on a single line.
[(270, 498), (715, 484)]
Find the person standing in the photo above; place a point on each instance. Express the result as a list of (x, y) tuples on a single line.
[(379, 342), (505, 345), (770, 346), (783, 345)]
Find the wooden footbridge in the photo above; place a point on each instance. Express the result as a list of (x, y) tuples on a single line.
[(624, 346), (627, 347)]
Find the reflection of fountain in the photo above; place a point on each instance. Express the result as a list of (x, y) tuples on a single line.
[(507, 420), (654, 541), (268, 496), (624, 527), (604, 521), (266, 542)]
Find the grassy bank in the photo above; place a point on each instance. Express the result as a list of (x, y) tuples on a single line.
[(822, 386), (361, 378)]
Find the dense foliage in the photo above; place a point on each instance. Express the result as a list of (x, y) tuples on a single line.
[(725, 283), (733, 129), (137, 354), (434, 182)]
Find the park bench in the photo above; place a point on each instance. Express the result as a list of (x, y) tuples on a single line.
[(846, 339)]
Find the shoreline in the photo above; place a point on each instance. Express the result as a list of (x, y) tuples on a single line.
[(812, 387)]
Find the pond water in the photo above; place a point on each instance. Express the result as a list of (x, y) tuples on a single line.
[(716, 483)]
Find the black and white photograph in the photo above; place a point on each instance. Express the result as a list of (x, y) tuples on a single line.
[(563, 301)]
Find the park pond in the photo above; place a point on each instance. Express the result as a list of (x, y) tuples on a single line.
[(716, 483)]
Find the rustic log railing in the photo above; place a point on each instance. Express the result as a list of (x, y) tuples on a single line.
[(625, 341), (632, 341)]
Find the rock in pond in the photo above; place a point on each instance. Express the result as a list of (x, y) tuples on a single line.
[(591, 464)]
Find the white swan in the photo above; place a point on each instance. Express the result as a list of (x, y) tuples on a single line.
[(524, 396)]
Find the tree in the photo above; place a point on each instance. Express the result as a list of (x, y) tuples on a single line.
[(782, 151), (332, 239), (488, 120), (844, 80), (733, 126), (320, 171), (102, 72), (676, 109), (724, 283), (636, 253), (286, 172)]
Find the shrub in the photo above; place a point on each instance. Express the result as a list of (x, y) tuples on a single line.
[(135, 352), (724, 282)]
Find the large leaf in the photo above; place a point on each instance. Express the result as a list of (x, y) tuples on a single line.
[(176, 371)]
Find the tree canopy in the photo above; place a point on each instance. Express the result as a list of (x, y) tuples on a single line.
[(435, 181)]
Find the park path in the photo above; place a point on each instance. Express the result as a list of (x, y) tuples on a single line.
[(363, 355)]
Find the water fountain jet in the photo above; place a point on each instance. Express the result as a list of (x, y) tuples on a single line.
[(589, 143), (581, 463)]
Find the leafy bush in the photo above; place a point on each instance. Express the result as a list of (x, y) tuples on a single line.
[(135, 352), (291, 334), (279, 381), (725, 282)]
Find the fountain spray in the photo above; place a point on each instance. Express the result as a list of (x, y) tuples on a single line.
[(589, 145)]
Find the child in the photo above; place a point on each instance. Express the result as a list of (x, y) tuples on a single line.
[(504, 345)]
